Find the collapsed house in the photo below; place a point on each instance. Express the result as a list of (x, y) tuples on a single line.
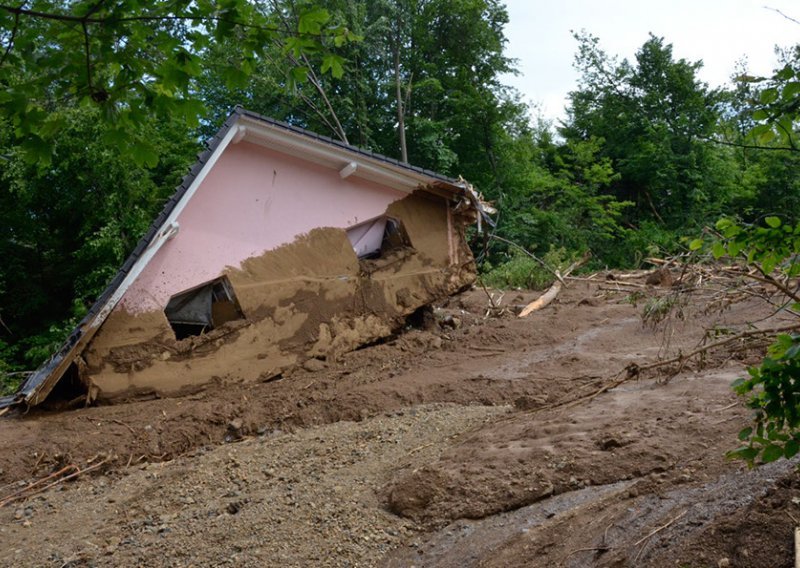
[(280, 245)]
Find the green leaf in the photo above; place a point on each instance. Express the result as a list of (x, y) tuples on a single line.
[(300, 74), (311, 22), (773, 222), (771, 453), (718, 250), (333, 63), (36, 151), (723, 224), (791, 448), (747, 453), (790, 90), (785, 74), (745, 434), (768, 96), (696, 244), (144, 154)]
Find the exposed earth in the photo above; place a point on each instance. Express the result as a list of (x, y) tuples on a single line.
[(477, 439)]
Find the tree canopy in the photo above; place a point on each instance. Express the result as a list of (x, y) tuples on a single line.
[(136, 59)]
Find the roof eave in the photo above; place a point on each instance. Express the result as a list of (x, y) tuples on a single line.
[(345, 159)]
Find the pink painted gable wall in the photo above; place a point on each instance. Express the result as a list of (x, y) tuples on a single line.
[(253, 200)]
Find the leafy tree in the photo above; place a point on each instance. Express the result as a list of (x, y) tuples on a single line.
[(654, 115), (68, 226), (134, 60)]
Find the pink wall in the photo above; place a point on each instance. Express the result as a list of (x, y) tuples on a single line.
[(252, 201)]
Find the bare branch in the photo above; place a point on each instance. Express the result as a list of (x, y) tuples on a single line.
[(749, 146), (782, 14)]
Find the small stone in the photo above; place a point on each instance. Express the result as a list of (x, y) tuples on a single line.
[(234, 430), (548, 490), (724, 563), (314, 365), (451, 321)]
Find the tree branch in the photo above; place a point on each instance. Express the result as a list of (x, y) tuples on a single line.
[(88, 19), (315, 81), (749, 146), (10, 40), (87, 53), (782, 14)]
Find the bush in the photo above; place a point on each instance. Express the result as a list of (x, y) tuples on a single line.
[(522, 271)]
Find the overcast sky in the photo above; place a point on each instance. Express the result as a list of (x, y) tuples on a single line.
[(718, 32)]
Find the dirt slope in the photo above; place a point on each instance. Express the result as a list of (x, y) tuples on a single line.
[(451, 446)]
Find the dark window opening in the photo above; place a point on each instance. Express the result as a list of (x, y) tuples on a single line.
[(202, 309), (378, 237)]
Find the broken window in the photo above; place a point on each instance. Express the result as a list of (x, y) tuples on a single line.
[(377, 237), (203, 308)]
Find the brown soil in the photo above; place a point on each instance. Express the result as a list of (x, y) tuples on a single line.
[(455, 445)]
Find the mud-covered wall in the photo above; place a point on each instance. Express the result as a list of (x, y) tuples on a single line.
[(309, 298), (253, 200)]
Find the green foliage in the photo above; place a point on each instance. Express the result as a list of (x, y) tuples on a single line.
[(136, 60), (70, 226), (523, 272), (769, 247), (774, 103), (653, 116), (8, 381), (772, 390), (659, 308)]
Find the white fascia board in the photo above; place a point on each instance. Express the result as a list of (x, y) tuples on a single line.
[(165, 233), (325, 154)]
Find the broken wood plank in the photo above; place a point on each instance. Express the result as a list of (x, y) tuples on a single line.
[(553, 291), (542, 300)]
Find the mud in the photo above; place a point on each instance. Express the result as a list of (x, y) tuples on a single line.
[(452, 445), (310, 298)]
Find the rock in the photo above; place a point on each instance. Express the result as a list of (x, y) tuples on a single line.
[(234, 430), (315, 365), (548, 490), (452, 322), (723, 563)]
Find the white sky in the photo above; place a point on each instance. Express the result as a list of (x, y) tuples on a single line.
[(718, 32)]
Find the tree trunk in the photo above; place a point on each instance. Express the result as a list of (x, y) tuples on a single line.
[(401, 123)]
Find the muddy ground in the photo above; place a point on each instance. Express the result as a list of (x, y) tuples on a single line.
[(480, 440)]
